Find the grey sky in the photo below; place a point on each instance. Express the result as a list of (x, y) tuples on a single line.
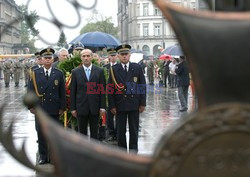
[(66, 14)]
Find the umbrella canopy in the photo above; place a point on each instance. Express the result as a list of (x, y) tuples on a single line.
[(165, 57), (174, 50), (97, 39)]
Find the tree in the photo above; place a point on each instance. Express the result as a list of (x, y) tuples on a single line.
[(62, 42), (100, 23), (28, 31)]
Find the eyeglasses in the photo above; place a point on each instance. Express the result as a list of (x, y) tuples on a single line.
[(85, 55)]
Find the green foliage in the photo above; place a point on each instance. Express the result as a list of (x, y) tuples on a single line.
[(28, 31), (62, 40), (73, 62), (68, 65), (102, 24)]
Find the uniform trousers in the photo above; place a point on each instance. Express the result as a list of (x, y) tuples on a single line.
[(133, 122), (92, 120), (42, 143), (111, 124)]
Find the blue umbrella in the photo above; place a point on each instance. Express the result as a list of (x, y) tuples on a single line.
[(173, 50), (96, 39)]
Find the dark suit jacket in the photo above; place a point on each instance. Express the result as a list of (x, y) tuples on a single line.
[(83, 94), (134, 94), (182, 74), (53, 90)]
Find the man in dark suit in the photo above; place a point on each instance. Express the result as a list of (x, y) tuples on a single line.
[(182, 83), (87, 94), (49, 85), (111, 123), (127, 96)]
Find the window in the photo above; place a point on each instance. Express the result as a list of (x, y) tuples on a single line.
[(138, 30), (145, 49), (156, 11), (157, 29), (145, 29), (138, 10), (145, 9)]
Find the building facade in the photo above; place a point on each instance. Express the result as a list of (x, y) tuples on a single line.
[(142, 25), (10, 27)]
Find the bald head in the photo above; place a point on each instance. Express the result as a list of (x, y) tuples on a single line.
[(86, 56)]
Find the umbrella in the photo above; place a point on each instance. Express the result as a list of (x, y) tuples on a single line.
[(96, 39), (165, 57), (173, 50)]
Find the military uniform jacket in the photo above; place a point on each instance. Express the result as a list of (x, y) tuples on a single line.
[(85, 97), (134, 93), (53, 91)]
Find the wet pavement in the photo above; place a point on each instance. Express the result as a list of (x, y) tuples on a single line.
[(161, 113)]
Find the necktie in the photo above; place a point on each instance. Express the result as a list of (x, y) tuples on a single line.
[(88, 73), (47, 75), (125, 68)]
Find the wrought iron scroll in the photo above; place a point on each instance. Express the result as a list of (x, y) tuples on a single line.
[(55, 21), (7, 140)]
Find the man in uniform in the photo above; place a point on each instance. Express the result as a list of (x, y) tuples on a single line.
[(63, 54), (49, 85), (17, 68), (77, 49), (39, 61), (7, 66), (111, 126), (150, 71), (26, 70), (127, 96), (1, 68), (87, 101)]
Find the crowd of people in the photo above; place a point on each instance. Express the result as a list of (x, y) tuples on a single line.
[(124, 90), (121, 96)]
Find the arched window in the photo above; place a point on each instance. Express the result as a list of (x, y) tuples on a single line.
[(145, 49), (156, 50)]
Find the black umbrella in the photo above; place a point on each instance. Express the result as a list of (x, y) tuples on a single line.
[(97, 40), (173, 50)]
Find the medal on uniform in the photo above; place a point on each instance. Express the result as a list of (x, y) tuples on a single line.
[(56, 82), (135, 79)]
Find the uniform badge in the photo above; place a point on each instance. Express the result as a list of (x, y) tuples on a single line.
[(56, 82), (135, 79)]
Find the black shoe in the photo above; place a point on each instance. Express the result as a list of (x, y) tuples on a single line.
[(183, 109), (42, 162)]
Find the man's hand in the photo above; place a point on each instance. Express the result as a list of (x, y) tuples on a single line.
[(61, 112), (113, 110), (141, 109), (74, 113), (102, 111), (32, 110)]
